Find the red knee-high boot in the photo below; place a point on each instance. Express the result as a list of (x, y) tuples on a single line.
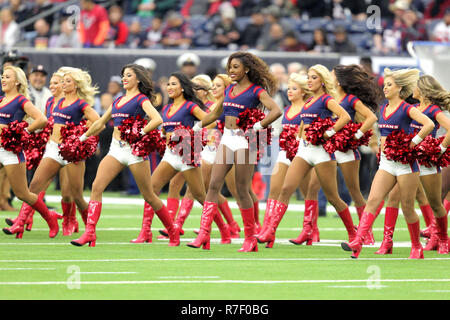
[(50, 217), (348, 223), (416, 246), (270, 206), (145, 235), (390, 220), (167, 220), (94, 210), (306, 235), (67, 212), (447, 205), (17, 227), (203, 238), (248, 218), (29, 221), (73, 218), (172, 208), (315, 228), (274, 220), (369, 238), (442, 225), (430, 223), (364, 226), (224, 208), (223, 228), (183, 213)]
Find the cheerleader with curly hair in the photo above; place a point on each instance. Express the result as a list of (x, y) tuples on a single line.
[(395, 115), (252, 86)]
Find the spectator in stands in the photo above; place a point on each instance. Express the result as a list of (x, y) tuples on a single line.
[(441, 31), (292, 43), (405, 27), (253, 30), (9, 30), (272, 15), (342, 43), (152, 36), (39, 93), (177, 33), (135, 35), (274, 40), (226, 33), (118, 30), (156, 8), (320, 42), (42, 38), (115, 87), (93, 25), (150, 65), (188, 63), (68, 37)]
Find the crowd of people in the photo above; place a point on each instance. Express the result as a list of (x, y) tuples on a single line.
[(318, 26), (406, 101)]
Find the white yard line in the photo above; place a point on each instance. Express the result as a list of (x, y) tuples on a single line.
[(128, 282)]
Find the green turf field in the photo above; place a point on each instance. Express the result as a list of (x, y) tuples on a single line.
[(37, 267)]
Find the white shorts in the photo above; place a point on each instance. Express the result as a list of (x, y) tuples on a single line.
[(397, 168), (425, 171), (209, 153), (8, 157), (122, 152), (312, 154), (175, 160), (232, 140), (52, 152), (350, 155), (282, 158)]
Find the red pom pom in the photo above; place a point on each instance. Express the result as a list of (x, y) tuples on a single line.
[(344, 140), (248, 118), (428, 153), (130, 129), (72, 149), (397, 147), (288, 140), (314, 133), (149, 143), (35, 148), (189, 145), (14, 137)]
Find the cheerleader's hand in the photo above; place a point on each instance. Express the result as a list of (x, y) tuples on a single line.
[(257, 126), (197, 127), (415, 141), (443, 149), (329, 133), (358, 135), (83, 137)]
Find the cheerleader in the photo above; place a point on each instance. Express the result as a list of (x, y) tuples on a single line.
[(139, 88), (433, 99), (395, 115), (75, 104), (252, 77), (359, 98), (15, 104), (68, 206), (297, 92), (209, 91), (185, 110), (320, 105)]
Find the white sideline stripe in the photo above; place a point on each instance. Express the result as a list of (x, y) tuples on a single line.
[(190, 277), (8, 269), (220, 259), (232, 204), (214, 282)]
